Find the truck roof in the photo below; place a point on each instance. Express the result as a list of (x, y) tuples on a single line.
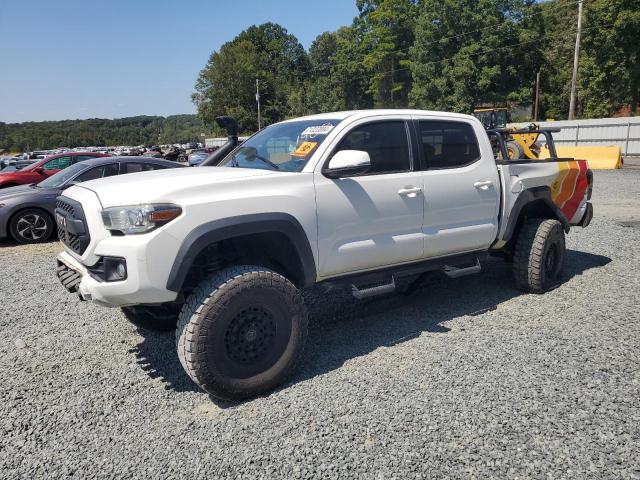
[(373, 112)]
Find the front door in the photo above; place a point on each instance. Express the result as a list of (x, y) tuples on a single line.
[(372, 220)]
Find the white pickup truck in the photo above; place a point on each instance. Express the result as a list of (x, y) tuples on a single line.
[(361, 198)]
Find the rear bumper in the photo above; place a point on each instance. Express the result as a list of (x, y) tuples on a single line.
[(588, 215)]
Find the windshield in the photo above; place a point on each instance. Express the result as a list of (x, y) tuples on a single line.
[(286, 146), (62, 176)]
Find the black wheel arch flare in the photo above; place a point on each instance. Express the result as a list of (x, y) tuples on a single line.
[(227, 228), (539, 198)]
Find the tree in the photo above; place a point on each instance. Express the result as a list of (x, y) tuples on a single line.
[(386, 30), (468, 52), (610, 62), (559, 19), (141, 130), (338, 76), (226, 85)]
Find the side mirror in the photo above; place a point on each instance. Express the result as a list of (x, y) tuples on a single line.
[(347, 163), (39, 170)]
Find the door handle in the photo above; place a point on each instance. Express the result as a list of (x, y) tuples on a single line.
[(483, 184), (409, 191)]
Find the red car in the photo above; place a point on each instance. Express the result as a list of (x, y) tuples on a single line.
[(45, 168)]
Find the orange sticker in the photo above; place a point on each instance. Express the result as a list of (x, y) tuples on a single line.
[(304, 149)]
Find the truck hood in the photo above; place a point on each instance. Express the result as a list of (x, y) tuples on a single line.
[(158, 185)]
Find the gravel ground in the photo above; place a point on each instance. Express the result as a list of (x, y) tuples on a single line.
[(464, 378)]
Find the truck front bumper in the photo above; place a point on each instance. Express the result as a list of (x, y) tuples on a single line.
[(136, 289)]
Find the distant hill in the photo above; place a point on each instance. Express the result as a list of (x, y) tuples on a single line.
[(141, 130)]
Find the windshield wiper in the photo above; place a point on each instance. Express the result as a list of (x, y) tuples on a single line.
[(267, 161)]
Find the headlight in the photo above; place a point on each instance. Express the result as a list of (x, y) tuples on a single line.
[(139, 218)]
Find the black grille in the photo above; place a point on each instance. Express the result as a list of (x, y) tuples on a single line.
[(72, 225), (68, 277)]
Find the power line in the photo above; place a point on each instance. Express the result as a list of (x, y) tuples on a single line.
[(558, 6), (490, 50)]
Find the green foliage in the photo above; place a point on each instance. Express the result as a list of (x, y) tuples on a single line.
[(386, 29), (559, 20), (339, 78), (441, 54), (141, 130), (610, 65), (227, 84), (468, 52)]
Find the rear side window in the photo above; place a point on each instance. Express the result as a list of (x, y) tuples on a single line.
[(448, 144), (98, 172), (140, 167), (385, 142), (57, 163)]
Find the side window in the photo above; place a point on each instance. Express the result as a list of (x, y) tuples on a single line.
[(57, 163), (448, 144), (97, 172), (385, 142), (140, 167)]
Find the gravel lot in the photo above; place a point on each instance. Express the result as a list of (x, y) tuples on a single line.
[(464, 378)]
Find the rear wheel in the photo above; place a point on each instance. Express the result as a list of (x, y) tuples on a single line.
[(539, 255), (31, 226), (241, 332)]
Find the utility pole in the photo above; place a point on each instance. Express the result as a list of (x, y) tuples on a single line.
[(535, 106), (576, 55), (258, 101)]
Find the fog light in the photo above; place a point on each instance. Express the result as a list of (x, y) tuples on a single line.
[(121, 271), (115, 269)]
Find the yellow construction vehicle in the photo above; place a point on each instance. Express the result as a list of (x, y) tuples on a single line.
[(519, 145), (524, 143)]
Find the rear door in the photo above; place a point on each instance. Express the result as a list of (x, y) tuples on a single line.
[(375, 219), (461, 186)]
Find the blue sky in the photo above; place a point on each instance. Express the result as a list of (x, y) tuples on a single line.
[(67, 59)]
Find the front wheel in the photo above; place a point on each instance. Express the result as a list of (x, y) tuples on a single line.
[(241, 332), (31, 226), (539, 255)]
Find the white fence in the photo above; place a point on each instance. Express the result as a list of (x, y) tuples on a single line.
[(623, 131)]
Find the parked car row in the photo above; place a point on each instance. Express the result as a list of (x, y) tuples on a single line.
[(37, 171), (27, 208)]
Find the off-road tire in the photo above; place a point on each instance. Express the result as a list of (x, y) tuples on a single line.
[(241, 332), (42, 223), (514, 150), (539, 255), (162, 318)]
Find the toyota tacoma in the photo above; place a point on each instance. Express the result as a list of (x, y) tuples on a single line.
[(361, 198)]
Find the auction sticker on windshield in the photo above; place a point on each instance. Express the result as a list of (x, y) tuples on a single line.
[(317, 130), (304, 149)]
